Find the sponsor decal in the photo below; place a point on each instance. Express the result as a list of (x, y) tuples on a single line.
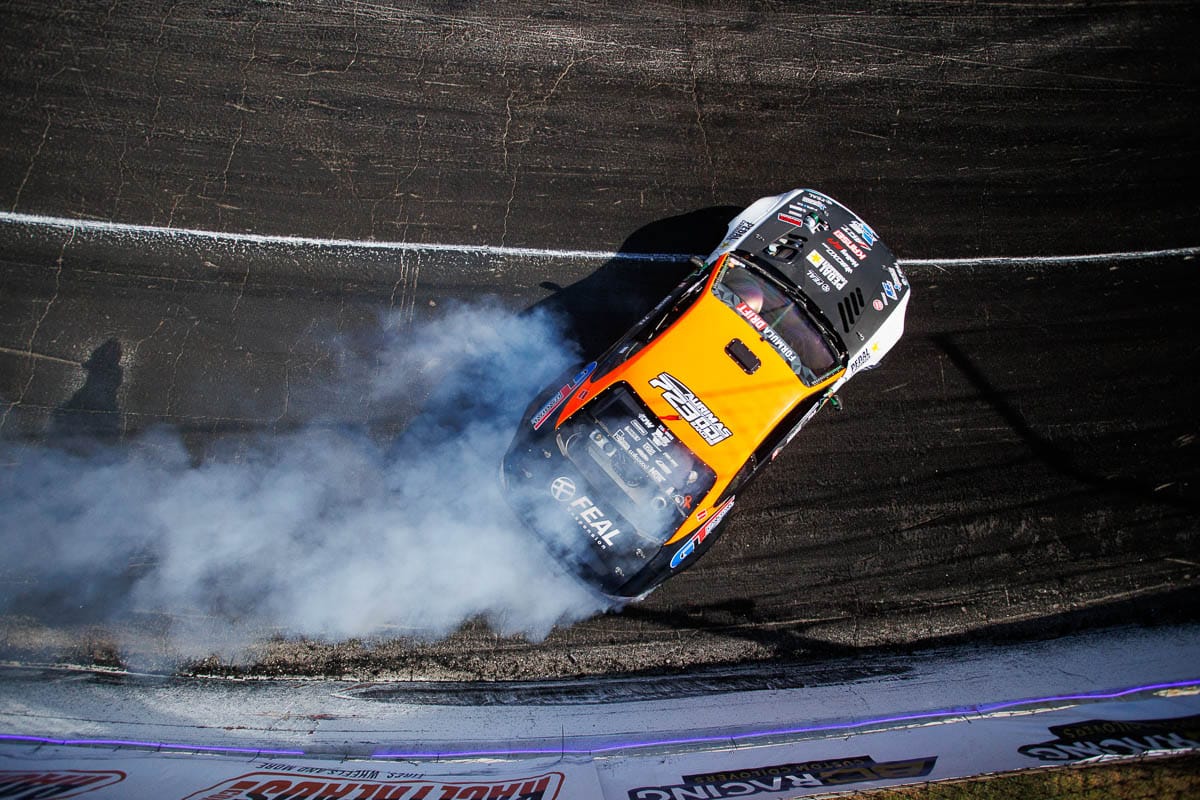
[(741, 229), (1100, 737), (898, 277), (55, 783), (691, 409), (860, 359), (877, 304), (562, 394), (699, 536), (831, 249), (827, 271), (812, 412), (562, 489), (648, 447), (803, 217), (865, 233), (768, 333), (281, 785), (890, 290), (594, 521), (855, 236), (787, 777), (850, 245), (814, 199), (818, 280), (599, 527)]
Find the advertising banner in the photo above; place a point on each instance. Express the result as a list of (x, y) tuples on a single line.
[(803, 763)]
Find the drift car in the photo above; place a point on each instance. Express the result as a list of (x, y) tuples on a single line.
[(628, 468)]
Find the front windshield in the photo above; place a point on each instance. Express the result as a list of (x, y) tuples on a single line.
[(635, 463), (778, 319)]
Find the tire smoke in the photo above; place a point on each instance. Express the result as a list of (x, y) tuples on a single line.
[(324, 532)]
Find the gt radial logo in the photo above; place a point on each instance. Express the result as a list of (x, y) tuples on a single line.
[(692, 409), (700, 535)]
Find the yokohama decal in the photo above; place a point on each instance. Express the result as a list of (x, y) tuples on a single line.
[(692, 409), (281, 785)]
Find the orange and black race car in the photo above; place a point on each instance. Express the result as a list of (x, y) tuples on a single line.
[(628, 468)]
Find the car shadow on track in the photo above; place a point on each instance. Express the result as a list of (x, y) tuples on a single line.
[(593, 313), (793, 644), (599, 308), (1044, 449)]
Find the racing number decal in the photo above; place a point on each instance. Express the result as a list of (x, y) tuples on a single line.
[(692, 409)]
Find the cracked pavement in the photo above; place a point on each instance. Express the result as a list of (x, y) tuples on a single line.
[(1024, 463)]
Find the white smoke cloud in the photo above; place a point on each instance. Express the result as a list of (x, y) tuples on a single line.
[(323, 532)]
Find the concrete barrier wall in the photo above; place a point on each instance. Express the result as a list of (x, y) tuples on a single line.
[(946, 714)]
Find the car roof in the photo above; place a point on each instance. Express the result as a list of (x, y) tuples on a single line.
[(833, 257)]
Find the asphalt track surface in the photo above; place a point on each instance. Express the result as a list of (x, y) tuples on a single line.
[(1024, 464)]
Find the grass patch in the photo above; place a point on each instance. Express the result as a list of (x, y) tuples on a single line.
[(1159, 778)]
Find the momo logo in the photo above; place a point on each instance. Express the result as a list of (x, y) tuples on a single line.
[(562, 489), (692, 409)]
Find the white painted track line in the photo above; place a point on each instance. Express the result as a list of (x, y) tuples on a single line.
[(128, 229)]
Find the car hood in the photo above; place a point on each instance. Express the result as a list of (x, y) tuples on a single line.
[(698, 377)]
